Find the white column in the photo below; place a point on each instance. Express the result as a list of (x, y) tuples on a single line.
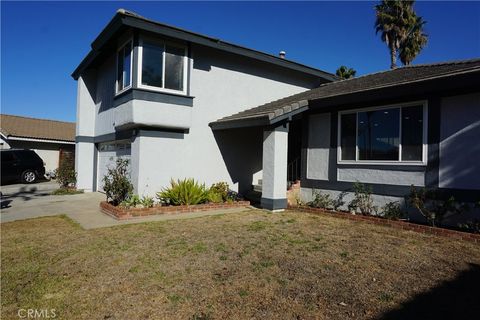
[(274, 181), (85, 161)]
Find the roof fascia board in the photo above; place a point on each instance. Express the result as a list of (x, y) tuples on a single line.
[(40, 140)]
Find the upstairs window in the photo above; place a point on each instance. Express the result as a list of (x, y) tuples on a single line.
[(162, 66), (124, 67), (394, 134)]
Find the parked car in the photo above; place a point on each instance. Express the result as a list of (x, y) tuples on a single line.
[(21, 165)]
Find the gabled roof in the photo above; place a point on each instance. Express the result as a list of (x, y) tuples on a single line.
[(32, 128), (128, 19), (270, 112)]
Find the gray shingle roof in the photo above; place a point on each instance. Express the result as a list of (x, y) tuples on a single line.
[(403, 75)]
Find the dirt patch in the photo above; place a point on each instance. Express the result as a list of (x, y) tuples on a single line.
[(241, 265)]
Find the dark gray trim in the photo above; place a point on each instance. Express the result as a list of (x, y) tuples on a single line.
[(95, 168), (332, 153), (433, 153), (380, 189), (273, 204), (125, 19), (393, 167), (304, 152), (135, 59), (241, 123), (132, 133), (154, 96), (392, 190)]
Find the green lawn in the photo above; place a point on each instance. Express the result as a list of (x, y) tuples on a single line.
[(246, 265)]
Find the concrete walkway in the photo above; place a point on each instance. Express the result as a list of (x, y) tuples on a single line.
[(82, 208)]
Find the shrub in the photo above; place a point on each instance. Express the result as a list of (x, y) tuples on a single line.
[(116, 183), (218, 192), (321, 200), (131, 201), (471, 226), (66, 175), (392, 211), (434, 209), (338, 202), (147, 202), (362, 200), (184, 192)]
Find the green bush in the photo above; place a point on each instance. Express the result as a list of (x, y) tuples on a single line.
[(392, 211), (116, 183), (66, 175), (432, 207), (218, 192), (147, 202), (321, 200), (131, 201), (362, 200), (184, 192)]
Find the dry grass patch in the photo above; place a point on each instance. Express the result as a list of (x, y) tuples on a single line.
[(245, 265)]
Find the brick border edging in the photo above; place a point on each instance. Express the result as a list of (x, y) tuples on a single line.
[(124, 213), (404, 225)]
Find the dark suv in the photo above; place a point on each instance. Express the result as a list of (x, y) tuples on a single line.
[(21, 165)]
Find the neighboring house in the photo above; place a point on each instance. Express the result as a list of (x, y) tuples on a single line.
[(179, 104), (51, 140)]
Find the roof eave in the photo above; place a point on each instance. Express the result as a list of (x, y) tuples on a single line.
[(122, 18)]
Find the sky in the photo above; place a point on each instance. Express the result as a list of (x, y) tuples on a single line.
[(43, 42)]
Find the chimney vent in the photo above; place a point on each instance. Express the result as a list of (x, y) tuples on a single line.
[(282, 54)]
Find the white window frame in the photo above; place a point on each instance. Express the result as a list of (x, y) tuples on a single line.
[(117, 92), (140, 62), (401, 162)]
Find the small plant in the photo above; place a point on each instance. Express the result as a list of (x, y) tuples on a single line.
[(338, 202), (434, 209), (233, 196), (184, 192), (116, 183), (147, 202), (66, 175), (471, 226), (392, 211), (218, 192), (362, 200), (132, 201), (321, 200)]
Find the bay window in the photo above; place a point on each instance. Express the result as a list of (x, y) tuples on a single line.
[(162, 66), (386, 134)]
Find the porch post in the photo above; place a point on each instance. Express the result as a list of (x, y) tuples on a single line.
[(274, 165)]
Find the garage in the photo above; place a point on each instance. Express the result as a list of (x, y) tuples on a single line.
[(108, 153)]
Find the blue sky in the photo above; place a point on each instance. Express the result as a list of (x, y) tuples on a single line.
[(43, 42)]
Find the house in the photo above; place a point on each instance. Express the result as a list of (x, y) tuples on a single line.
[(416, 125), (147, 91), (180, 104), (52, 140)]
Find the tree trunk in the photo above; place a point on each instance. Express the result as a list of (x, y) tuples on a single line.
[(393, 56)]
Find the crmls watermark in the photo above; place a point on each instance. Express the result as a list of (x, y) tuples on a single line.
[(37, 313)]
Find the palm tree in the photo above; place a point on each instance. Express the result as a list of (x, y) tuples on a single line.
[(415, 41), (392, 20), (345, 73)]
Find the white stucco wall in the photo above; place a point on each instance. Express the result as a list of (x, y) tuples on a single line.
[(221, 84), (459, 145)]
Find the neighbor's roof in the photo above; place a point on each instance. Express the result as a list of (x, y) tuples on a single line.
[(127, 19), (299, 102), (23, 127)]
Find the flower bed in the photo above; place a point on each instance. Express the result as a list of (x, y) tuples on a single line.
[(122, 213), (394, 224)]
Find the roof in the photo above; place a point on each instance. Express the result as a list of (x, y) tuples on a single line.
[(278, 109), (43, 129), (124, 18)]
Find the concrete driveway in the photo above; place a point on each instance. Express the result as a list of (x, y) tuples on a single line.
[(83, 208)]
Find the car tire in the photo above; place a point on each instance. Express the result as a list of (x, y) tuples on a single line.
[(29, 176)]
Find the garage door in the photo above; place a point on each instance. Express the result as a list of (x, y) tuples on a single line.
[(108, 153)]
